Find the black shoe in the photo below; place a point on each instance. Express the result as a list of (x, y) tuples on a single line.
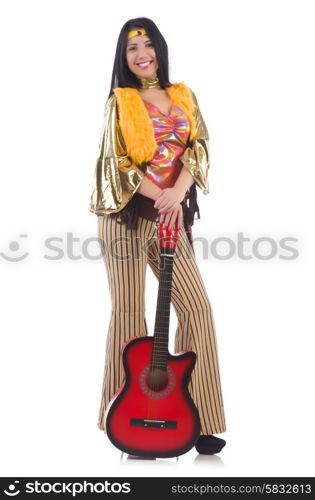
[(209, 444)]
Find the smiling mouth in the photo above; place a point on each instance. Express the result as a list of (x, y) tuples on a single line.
[(144, 65)]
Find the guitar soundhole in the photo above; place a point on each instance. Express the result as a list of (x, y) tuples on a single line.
[(157, 380), (157, 384)]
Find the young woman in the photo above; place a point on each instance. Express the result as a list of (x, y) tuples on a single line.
[(153, 153)]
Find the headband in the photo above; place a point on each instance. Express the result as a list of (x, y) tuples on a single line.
[(141, 31)]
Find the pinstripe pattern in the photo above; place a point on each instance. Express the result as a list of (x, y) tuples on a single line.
[(126, 253)]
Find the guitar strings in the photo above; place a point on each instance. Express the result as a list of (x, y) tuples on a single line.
[(166, 268), (164, 292)]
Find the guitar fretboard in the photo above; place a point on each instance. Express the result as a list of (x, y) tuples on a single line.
[(162, 318)]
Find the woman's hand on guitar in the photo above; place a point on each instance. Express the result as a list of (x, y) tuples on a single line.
[(174, 218), (169, 207)]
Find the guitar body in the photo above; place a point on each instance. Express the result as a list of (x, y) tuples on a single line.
[(153, 413)]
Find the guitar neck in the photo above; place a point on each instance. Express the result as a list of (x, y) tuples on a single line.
[(162, 318)]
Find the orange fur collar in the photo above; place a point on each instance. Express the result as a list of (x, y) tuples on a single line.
[(136, 125)]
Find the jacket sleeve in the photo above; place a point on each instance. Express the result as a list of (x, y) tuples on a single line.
[(196, 156), (116, 176)]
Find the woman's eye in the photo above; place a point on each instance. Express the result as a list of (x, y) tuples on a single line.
[(147, 45)]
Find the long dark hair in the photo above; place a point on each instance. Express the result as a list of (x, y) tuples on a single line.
[(121, 75)]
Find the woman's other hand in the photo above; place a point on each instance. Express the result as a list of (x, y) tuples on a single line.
[(168, 199)]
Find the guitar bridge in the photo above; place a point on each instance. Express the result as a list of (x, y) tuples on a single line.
[(153, 423)]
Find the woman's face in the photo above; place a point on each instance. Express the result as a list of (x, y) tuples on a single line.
[(140, 50)]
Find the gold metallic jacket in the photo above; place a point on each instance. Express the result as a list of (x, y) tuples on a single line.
[(127, 140)]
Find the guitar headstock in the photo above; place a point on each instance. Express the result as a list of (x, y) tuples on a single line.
[(167, 237)]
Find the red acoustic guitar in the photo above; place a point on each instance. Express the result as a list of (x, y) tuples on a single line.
[(153, 414)]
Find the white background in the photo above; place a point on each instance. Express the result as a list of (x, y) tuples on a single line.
[(251, 66)]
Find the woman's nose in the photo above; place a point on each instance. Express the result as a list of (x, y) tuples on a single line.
[(142, 54)]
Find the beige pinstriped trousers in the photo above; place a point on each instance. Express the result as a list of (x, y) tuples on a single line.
[(126, 253)]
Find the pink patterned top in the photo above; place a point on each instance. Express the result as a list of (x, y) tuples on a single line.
[(171, 133)]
